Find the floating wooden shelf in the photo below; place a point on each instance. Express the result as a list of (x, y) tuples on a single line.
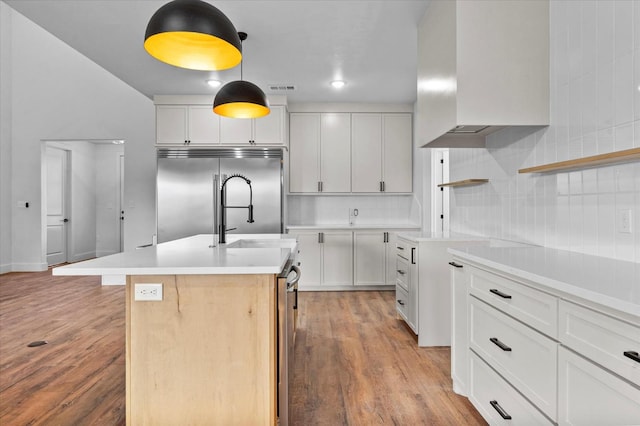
[(595, 160), (465, 182)]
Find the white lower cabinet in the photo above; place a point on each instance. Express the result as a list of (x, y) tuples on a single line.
[(496, 400), (341, 260), (590, 395), (529, 354), (407, 282)]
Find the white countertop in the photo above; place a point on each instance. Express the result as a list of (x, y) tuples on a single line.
[(352, 227), (432, 236), (607, 282), (191, 256)]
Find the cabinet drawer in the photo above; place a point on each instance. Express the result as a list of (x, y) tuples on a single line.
[(402, 273), (524, 357), (589, 395), (486, 386), (535, 308), (403, 249), (402, 302), (602, 339)]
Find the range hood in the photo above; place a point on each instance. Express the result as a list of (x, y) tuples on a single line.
[(479, 71)]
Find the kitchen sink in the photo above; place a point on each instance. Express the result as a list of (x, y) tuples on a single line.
[(262, 243)]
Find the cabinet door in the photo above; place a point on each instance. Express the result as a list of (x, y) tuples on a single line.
[(590, 395), (459, 328), (309, 259), (236, 131), (204, 125), (304, 152), (337, 265), (269, 130), (397, 167), (370, 253), (392, 238), (171, 124), (335, 152), (366, 152)]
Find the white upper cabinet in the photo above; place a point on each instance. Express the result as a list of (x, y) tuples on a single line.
[(482, 66), (381, 147), (186, 124), (319, 158), (267, 130)]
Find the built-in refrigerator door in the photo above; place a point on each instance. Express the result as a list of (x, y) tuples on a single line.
[(265, 175), (185, 197)]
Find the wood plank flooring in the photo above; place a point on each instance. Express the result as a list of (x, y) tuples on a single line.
[(356, 364)]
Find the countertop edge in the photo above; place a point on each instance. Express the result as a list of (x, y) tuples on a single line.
[(556, 286)]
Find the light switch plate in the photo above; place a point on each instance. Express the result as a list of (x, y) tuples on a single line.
[(625, 220), (148, 292)]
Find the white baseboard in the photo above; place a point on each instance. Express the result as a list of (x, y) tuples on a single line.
[(5, 268), (28, 267), (347, 288)]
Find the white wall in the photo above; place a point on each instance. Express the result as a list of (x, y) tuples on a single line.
[(595, 108), (5, 140), (57, 93)]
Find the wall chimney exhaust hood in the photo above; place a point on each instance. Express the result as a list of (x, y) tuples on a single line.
[(482, 66)]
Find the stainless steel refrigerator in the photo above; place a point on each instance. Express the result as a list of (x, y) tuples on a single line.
[(188, 191)]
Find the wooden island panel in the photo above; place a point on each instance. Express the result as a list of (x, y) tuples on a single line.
[(205, 354)]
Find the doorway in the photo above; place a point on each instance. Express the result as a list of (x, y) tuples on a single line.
[(88, 221)]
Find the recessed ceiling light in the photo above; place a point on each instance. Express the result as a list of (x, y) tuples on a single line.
[(117, 142), (338, 84), (214, 83)]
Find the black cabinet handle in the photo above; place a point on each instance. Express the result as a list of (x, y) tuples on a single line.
[(400, 247), (632, 355), (499, 344), (499, 293), (400, 271), (500, 410), (456, 265), (413, 252), (400, 302)]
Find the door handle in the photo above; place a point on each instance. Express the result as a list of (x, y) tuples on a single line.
[(65, 220)]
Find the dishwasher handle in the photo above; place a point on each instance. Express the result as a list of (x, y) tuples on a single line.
[(298, 273)]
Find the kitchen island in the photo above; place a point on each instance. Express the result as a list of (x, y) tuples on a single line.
[(205, 339)]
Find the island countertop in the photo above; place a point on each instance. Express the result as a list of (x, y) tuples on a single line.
[(194, 256)]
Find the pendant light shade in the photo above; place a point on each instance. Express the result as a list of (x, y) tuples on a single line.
[(193, 34), (241, 99)]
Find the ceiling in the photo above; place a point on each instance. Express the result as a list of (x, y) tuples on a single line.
[(372, 45)]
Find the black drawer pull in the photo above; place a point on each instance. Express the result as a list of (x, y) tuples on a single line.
[(633, 355), (499, 344), (400, 271), (400, 302), (456, 265), (499, 409), (499, 293), (400, 247)]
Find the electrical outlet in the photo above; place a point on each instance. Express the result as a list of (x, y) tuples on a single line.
[(624, 221), (148, 292)]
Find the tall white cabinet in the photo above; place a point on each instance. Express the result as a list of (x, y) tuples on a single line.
[(381, 148), (319, 159), (350, 152)]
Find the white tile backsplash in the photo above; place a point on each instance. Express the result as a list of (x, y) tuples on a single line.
[(334, 210), (595, 109)]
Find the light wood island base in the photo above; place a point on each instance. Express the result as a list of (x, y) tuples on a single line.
[(206, 354)]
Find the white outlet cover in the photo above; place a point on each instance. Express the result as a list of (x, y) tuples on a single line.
[(147, 292), (625, 221)]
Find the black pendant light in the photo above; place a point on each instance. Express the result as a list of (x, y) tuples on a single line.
[(193, 34), (241, 99)]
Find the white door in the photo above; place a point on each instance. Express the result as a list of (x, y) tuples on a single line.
[(121, 207), (304, 153), (57, 193), (236, 130), (204, 125), (366, 152), (335, 152), (337, 259), (171, 124), (370, 258), (397, 172), (269, 130)]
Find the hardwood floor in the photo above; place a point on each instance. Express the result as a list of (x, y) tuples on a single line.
[(356, 364)]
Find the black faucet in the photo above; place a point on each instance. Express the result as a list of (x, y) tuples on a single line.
[(223, 207)]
